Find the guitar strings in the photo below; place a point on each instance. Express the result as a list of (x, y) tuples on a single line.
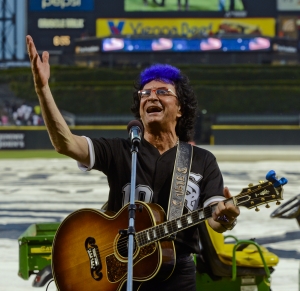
[(160, 233), (123, 245), (123, 241)]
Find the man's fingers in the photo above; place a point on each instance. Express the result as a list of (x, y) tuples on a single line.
[(35, 63), (227, 192), (31, 49), (28, 37), (233, 211), (225, 212), (229, 210), (45, 57)]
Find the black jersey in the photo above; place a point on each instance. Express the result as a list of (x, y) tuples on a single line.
[(153, 179)]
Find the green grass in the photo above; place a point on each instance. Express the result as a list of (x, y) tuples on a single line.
[(171, 5), (30, 154)]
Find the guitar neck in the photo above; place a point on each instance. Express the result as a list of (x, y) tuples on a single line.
[(171, 227)]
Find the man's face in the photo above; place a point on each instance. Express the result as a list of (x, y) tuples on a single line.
[(162, 111)]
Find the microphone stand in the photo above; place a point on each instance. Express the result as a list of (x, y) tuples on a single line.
[(131, 212)]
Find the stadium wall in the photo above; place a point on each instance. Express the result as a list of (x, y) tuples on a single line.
[(36, 137), (255, 135)]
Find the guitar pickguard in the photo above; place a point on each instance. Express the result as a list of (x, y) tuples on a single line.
[(117, 269)]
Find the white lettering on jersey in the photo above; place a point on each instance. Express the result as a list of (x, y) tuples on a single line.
[(145, 193), (193, 192), (142, 193)]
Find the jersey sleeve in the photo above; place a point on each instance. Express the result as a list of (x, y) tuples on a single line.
[(212, 184), (104, 153), (83, 167)]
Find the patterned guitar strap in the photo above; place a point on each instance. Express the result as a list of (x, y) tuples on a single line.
[(181, 172)]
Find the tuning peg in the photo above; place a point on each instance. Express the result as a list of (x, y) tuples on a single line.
[(257, 209), (250, 185), (261, 181), (278, 202), (271, 176), (267, 206)]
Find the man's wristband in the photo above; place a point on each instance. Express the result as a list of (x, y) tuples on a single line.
[(231, 226)]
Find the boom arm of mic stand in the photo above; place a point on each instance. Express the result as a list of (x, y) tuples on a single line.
[(131, 211)]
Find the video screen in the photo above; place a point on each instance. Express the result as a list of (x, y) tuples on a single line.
[(185, 45), (290, 5), (183, 5)]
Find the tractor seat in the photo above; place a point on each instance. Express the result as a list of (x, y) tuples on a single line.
[(249, 256), (216, 256)]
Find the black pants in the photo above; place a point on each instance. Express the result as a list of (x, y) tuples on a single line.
[(183, 278)]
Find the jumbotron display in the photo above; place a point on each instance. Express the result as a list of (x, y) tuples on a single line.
[(186, 45)]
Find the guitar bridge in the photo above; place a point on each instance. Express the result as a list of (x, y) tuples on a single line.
[(94, 257)]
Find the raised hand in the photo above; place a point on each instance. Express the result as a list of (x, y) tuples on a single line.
[(40, 67), (61, 137)]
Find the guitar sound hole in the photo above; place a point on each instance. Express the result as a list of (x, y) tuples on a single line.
[(122, 245)]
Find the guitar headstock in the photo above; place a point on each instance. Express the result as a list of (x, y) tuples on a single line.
[(256, 195), (262, 193)]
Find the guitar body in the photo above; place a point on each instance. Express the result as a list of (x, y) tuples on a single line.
[(89, 253)]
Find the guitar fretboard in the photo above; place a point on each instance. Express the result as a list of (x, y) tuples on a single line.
[(168, 228)]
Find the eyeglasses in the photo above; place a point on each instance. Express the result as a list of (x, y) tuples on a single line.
[(160, 92)]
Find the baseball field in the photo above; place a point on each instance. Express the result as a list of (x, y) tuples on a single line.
[(28, 154)]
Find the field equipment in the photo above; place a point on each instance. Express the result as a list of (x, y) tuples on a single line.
[(241, 265)]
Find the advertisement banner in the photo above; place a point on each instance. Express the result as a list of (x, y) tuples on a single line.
[(185, 27), (287, 26), (288, 5), (60, 23), (12, 140), (61, 5), (285, 46)]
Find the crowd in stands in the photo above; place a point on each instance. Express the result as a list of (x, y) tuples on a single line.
[(22, 114)]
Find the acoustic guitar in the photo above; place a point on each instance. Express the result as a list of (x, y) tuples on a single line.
[(90, 247)]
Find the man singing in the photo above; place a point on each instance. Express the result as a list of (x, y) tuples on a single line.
[(166, 105)]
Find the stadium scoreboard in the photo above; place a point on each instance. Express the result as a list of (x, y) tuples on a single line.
[(56, 25)]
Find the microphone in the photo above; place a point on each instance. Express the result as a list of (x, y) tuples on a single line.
[(135, 130)]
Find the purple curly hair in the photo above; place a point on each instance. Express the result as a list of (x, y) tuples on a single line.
[(166, 73)]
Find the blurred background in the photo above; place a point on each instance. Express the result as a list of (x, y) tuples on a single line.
[(242, 57)]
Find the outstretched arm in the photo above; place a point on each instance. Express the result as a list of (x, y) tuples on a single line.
[(61, 137)]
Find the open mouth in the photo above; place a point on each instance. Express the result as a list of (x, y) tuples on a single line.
[(153, 109)]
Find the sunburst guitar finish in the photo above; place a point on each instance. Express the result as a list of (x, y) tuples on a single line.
[(90, 251)]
